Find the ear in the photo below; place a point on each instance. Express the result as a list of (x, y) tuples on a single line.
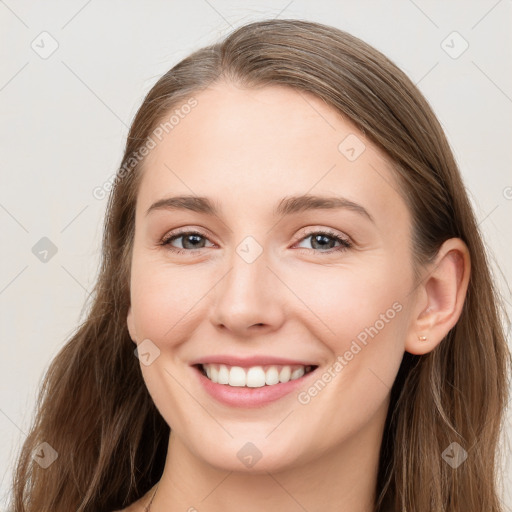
[(440, 297), (131, 325)]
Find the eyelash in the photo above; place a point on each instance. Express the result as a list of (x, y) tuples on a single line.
[(345, 243)]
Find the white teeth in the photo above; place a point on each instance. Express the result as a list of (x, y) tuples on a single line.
[(285, 374), (297, 374), (253, 377), (223, 375), (271, 376), (237, 376)]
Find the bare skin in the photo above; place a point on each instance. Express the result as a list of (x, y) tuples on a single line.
[(246, 150)]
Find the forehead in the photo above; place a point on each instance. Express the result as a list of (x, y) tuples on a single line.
[(242, 144)]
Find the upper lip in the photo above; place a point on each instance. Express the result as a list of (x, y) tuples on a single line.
[(246, 362)]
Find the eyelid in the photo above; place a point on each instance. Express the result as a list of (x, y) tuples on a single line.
[(166, 239), (305, 232)]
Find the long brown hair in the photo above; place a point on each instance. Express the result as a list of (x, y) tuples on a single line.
[(94, 409)]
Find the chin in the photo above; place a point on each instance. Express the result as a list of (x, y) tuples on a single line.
[(245, 456)]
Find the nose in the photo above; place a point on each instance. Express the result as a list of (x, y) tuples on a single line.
[(250, 299)]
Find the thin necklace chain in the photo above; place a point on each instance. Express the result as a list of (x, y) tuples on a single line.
[(147, 509)]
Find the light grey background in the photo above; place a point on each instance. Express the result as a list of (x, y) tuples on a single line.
[(65, 116)]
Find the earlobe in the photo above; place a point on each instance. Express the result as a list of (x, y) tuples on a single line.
[(441, 298)]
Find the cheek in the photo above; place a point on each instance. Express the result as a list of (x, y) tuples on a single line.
[(164, 300), (354, 303), (366, 316)]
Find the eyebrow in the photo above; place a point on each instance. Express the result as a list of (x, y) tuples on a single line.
[(287, 205)]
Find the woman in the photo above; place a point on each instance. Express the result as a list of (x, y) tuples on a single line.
[(290, 250)]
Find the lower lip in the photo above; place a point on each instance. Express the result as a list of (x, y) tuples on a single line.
[(249, 397)]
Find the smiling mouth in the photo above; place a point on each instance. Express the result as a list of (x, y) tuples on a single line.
[(254, 376)]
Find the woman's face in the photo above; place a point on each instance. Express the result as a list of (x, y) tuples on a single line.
[(271, 284)]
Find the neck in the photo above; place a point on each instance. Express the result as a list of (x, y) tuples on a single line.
[(344, 476)]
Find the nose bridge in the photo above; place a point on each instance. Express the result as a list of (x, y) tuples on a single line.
[(246, 285), (248, 294)]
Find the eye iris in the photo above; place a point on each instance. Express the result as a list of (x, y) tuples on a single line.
[(188, 238), (328, 241)]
